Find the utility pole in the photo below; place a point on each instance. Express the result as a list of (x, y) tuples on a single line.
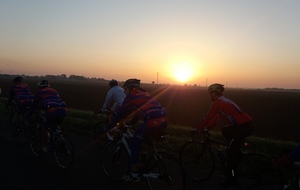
[(157, 78)]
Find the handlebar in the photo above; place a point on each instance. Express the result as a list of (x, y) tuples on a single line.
[(106, 112), (205, 133), (119, 131)]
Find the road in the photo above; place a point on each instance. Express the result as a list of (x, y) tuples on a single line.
[(20, 169)]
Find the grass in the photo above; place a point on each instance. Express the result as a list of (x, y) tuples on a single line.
[(82, 123)]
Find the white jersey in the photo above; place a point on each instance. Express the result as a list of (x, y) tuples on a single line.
[(115, 94)]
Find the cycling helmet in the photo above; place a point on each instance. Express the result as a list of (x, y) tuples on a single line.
[(43, 83), (216, 88), (113, 83), (132, 83), (17, 80)]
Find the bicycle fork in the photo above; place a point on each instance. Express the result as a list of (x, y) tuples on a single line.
[(162, 170)]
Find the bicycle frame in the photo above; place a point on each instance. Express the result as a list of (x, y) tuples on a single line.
[(212, 145), (123, 133)]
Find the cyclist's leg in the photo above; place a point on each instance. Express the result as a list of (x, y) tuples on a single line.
[(235, 135), (54, 120), (135, 145), (233, 154), (149, 131)]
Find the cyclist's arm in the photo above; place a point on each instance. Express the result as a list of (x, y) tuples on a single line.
[(211, 117), (116, 118), (133, 120), (107, 100)]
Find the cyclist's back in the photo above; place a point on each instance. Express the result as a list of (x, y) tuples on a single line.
[(115, 94), (239, 126), (20, 93), (48, 100), (139, 104)]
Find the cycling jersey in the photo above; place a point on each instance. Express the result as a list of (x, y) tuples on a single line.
[(21, 94), (48, 99), (115, 94), (139, 104), (223, 108)]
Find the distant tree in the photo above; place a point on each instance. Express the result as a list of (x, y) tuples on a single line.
[(77, 77), (63, 76)]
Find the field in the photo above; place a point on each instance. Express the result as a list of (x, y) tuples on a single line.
[(275, 112)]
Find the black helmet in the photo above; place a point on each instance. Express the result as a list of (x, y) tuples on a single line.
[(113, 83), (216, 88), (17, 80), (132, 83), (43, 83)]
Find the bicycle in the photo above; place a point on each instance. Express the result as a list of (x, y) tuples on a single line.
[(100, 122), (292, 183), (161, 170), (60, 143), (201, 158), (18, 121)]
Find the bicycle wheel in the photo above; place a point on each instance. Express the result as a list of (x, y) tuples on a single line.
[(265, 186), (257, 167), (98, 129), (35, 141), (115, 160), (15, 122), (64, 151), (165, 172), (197, 161)]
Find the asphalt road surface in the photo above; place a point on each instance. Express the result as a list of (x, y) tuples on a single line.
[(20, 169)]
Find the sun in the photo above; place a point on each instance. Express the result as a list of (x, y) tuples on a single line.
[(182, 71)]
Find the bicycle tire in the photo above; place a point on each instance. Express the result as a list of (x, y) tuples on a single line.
[(115, 160), (197, 161), (15, 123), (257, 167), (265, 186), (98, 129), (165, 173), (64, 151), (35, 141)]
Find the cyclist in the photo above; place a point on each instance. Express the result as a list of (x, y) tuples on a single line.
[(287, 157), (239, 126), (48, 101), (20, 94), (139, 104), (115, 94)]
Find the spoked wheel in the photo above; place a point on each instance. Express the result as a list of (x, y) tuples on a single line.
[(266, 186), (257, 167), (15, 124), (197, 161), (165, 172), (35, 141), (98, 130), (115, 161), (64, 151)]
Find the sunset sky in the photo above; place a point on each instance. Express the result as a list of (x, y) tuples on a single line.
[(251, 44)]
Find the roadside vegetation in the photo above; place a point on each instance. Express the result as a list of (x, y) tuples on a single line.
[(82, 123)]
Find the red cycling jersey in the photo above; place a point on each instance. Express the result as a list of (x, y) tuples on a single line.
[(223, 108)]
